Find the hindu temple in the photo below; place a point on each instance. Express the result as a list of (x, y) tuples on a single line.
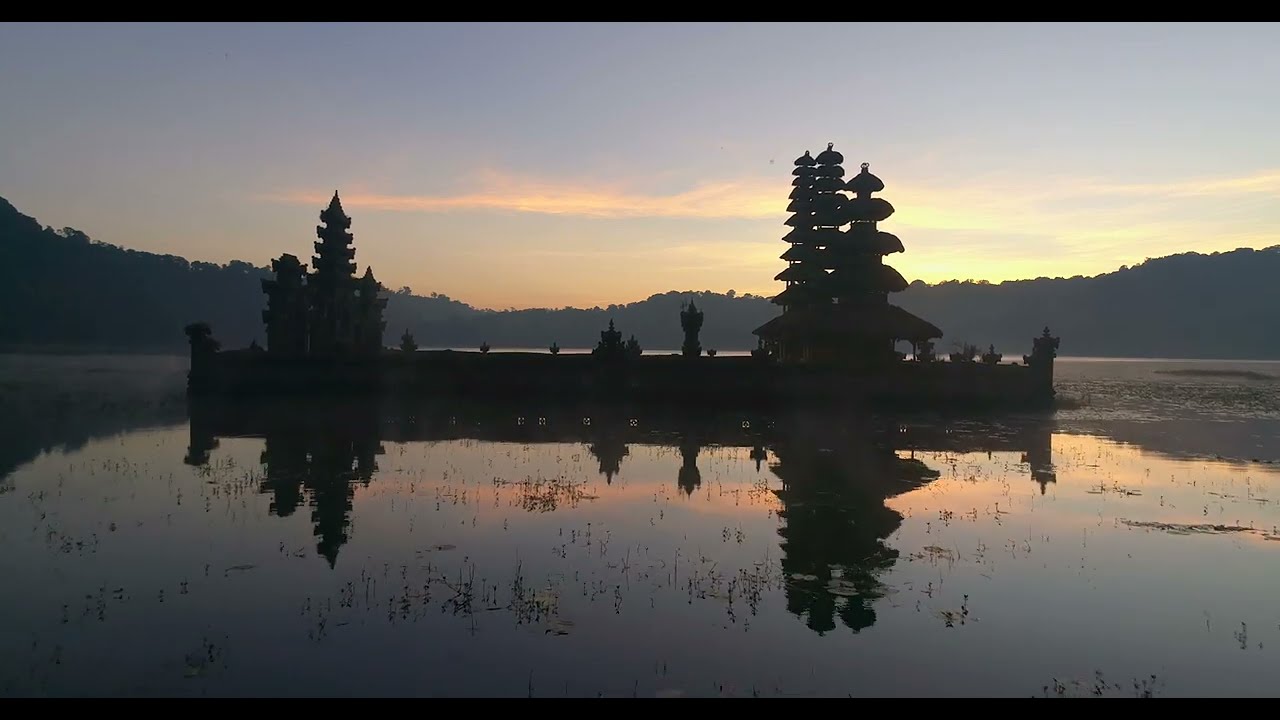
[(837, 339), (835, 304), (328, 311)]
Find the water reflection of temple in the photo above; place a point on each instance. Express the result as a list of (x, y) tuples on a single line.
[(609, 449), (689, 478), (835, 473), (324, 468), (1039, 455), (317, 457), (835, 525)]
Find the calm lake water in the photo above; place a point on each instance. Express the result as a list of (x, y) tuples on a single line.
[(1125, 545)]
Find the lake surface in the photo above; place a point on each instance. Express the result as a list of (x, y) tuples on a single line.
[(1128, 544)]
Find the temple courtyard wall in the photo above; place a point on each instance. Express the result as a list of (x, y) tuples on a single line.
[(666, 379)]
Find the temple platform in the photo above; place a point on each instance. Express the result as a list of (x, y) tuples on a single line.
[(666, 379)]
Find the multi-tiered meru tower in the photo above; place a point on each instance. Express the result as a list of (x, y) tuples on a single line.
[(835, 306), (329, 311)]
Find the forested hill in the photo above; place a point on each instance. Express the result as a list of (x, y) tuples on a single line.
[(60, 290)]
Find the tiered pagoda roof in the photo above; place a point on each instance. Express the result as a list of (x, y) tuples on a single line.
[(837, 284), (335, 256)]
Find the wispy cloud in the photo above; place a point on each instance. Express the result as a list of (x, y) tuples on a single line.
[(1005, 204), (993, 227), (713, 200), (1267, 182)]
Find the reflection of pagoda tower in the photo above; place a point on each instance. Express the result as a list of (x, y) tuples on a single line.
[(689, 477), (330, 484), (842, 316), (836, 524), (323, 467), (609, 450), (1039, 456)]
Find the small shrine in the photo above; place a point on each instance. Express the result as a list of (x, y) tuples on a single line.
[(835, 307), (328, 311), (691, 324)]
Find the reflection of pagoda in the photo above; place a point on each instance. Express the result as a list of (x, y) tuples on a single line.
[(1039, 456), (835, 305), (609, 449), (836, 524), (689, 477), (322, 466), (329, 310)]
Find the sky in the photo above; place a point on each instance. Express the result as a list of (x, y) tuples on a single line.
[(545, 165)]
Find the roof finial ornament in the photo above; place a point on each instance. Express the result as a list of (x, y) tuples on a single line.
[(830, 145), (866, 167)]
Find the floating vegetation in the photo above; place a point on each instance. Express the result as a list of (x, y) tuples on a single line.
[(1200, 528), (1099, 686)]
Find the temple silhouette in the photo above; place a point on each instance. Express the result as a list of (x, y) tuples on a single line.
[(836, 339), (328, 311), (835, 306)]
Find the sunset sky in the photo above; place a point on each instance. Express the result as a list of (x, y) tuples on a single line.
[(580, 164)]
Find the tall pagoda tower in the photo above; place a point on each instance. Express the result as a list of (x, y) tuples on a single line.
[(835, 307), (804, 275), (326, 311), (858, 273), (332, 282)]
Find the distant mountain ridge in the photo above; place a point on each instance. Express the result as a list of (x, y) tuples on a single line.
[(61, 290)]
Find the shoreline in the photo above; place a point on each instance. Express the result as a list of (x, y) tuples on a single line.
[(68, 351)]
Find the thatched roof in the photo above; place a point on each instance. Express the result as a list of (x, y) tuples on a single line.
[(864, 183), (830, 156), (806, 159), (865, 208), (827, 184), (804, 171), (802, 272), (861, 243), (801, 294), (829, 219), (801, 253), (867, 277), (813, 236), (871, 321), (829, 202)]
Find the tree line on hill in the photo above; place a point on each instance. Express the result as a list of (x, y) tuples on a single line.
[(62, 291)]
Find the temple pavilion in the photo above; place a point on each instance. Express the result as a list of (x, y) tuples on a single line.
[(329, 311), (835, 305)]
